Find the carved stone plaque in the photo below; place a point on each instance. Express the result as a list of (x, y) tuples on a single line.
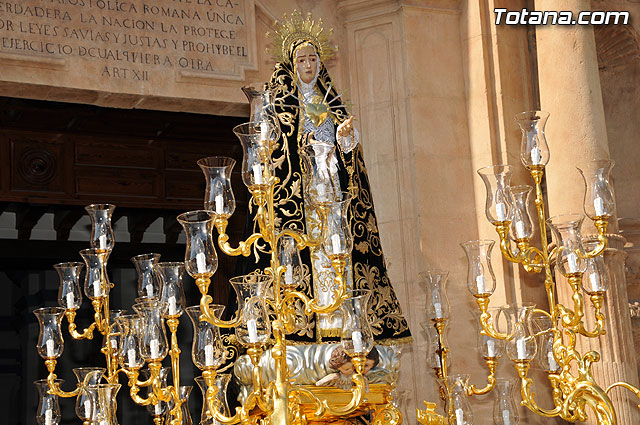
[(134, 47)]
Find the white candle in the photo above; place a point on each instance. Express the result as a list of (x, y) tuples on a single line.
[(521, 348), (491, 347), (437, 307), (459, 416), (501, 211), (149, 289), (572, 262), (520, 229), (131, 357), (598, 204), (201, 262), (438, 361), (97, 288), (288, 276), (48, 417), (173, 308), (506, 418), (155, 348), (553, 364), (335, 243), (208, 355), (264, 130), (70, 300), (219, 204), (257, 174), (480, 284), (536, 155), (51, 348), (102, 242), (594, 281), (253, 330), (87, 406), (356, 336)]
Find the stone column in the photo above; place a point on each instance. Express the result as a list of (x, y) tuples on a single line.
[(576, 131)]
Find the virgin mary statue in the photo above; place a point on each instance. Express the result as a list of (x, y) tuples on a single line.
[(310, 110)]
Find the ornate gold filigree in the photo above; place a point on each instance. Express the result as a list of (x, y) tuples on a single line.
[(429, 416), (294, 29), (387, 314)]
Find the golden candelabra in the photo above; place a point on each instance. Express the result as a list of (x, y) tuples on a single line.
[(266, 303), (551, 333), (122, 334)]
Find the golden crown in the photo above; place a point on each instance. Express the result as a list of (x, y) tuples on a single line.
[(293, 29)]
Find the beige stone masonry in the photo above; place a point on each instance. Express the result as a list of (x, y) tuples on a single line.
[(182, 55)]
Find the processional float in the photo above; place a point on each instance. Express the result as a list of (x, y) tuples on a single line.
[(135, 345)]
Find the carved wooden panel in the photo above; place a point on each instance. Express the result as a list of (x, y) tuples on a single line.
[(181, 160), (77, 154), (184, 186), (36, 163), (125, 183), (96, 152)]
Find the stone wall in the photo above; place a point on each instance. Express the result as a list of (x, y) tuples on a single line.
[(182, 55)]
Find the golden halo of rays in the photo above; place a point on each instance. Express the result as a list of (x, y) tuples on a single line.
[(295, 28)]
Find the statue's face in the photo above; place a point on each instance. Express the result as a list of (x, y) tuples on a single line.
[(306, 63), (347, 369), (368, 365)]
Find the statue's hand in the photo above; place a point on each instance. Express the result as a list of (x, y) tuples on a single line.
[(347, 135), (346, 128), (327, 380)]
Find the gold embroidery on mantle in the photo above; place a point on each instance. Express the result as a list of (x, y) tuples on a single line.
[(384, 309)]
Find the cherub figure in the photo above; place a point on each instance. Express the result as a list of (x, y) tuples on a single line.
[(341, 363)]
